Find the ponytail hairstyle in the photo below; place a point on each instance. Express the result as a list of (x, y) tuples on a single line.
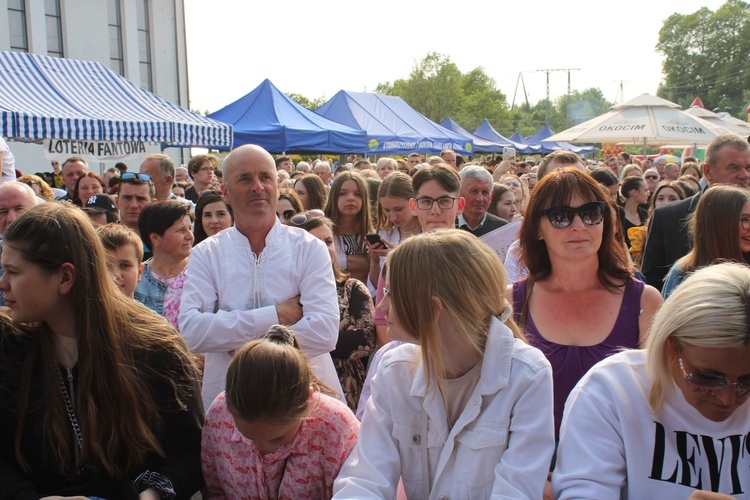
[(395, 185), (629, 184), (270, 379)]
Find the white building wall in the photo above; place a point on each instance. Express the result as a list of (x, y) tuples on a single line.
[(85, 33)]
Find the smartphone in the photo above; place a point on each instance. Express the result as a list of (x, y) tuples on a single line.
[(509, 153), (373, 238)]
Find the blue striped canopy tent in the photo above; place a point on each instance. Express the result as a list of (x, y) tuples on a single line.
[(50, 98)]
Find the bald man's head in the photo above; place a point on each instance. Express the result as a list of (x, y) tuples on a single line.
[(246, 153), (15, 199)]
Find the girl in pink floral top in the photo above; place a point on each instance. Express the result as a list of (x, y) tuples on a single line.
[(258, 445)]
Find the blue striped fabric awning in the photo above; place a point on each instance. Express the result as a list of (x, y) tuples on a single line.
[(50, 98)]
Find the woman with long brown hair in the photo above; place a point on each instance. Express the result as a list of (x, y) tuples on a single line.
[(580, 302), (720, 230), (99, 396), (348, 207), (311, 192)]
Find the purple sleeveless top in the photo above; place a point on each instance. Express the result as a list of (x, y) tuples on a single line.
[(569, 362)]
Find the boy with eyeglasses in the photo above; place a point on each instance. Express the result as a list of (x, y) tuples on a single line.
[(201, 169)]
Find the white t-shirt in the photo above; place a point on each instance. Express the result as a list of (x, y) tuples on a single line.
[(9, 162), (612, 445)]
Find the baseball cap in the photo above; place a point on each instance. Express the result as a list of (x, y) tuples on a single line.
[(101, 203)]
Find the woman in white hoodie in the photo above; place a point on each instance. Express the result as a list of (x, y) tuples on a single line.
[(464, 408), (673, 419)]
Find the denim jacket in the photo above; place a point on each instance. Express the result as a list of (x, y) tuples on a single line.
[(150, 291)]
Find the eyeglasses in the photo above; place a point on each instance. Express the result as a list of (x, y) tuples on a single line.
[(132, 175), (591, 214), (444, 202), (287, 214), (651, 177), (705, 383), (745, 221), (300, 219)]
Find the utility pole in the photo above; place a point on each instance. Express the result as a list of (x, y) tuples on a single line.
[(547, 72), (621, 91), (515, 92)]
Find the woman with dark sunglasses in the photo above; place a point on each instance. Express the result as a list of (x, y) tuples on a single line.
[(580, 302), (673, 419), (288, 206)]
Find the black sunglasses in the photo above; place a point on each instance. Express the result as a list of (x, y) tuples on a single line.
[(132, 175), (287, 214), (590, 213)]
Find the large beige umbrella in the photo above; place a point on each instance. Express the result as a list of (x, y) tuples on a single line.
[(644, 120), (743, 128), (717, 124)]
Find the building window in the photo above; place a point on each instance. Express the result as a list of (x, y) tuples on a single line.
[(17, 25), (53, 18), (144, 44), (116, 60)]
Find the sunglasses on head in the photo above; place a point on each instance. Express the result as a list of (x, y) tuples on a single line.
[(132, 175), (300, 219), (209, 192), (590, 213)]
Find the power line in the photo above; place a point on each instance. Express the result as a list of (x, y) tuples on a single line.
[(547, 72)]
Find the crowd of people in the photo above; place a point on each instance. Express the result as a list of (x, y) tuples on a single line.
[(410, 328)]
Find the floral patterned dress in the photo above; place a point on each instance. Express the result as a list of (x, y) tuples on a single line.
[(303, 468), (357, 339)]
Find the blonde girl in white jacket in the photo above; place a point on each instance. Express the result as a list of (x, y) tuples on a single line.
[(464, 408)]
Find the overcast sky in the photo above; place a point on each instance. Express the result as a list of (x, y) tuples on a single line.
[(318, 48)]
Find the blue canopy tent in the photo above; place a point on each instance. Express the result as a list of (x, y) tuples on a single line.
[(269, 118), (52, 98), (487, 132), (518, 138), (548, 146), (392, 126), (480, 145)]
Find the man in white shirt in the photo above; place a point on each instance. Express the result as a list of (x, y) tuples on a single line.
[(256, 274), (7, 162)]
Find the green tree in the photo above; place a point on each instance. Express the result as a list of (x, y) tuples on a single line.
[(437, 88), (705, 54), (303, 101)]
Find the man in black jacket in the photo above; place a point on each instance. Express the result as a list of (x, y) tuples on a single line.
[(476, 189), (727, 162)]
